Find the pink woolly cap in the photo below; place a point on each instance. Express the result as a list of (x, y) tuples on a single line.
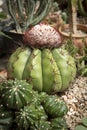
[(41, 36)]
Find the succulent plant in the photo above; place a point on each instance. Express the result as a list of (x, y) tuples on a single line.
[(41, 125), (28, 109), (26, 13), (16, 93), (29, 115), (47, 69), (6, 118), (55, 107), (59, 123)]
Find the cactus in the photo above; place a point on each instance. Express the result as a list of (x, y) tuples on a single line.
[(29, 115), (59, 123), (16, 93), (6, 118), (55, 107), (41, 112), (26, 13), (49, 70), (41, 125), (47, 67)]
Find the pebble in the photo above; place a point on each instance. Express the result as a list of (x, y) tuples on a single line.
[(76, 100)]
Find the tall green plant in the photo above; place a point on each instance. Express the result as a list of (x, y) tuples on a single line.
[(26, 13)]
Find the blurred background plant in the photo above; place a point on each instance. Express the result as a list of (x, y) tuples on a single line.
[(3, 16), (80, 57), (28, 13)]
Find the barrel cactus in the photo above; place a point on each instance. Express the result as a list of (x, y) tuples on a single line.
[(46, 66), (16, 93)]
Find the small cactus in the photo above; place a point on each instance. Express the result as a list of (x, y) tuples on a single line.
[(41, 125), (29, 115), (55, 107), (16, 93), (59, 123)]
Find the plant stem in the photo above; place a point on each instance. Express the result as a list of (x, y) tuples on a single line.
[(72, 5)]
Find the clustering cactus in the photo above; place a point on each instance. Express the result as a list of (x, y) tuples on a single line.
[(26, 13), (45, 117), (16, 94), (37, 114)]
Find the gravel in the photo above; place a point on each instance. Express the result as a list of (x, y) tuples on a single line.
[(76, 99)]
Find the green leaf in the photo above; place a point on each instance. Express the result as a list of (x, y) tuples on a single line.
[(80, 127), (3, 34), (84, 121)]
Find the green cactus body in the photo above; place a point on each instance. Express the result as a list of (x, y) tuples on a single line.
[(55, 107), (27, 116), (33, 69), (51, 74), (41, 125), (66, 66), (59, 124), (49, 70), (6, 118), (16, 93)]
